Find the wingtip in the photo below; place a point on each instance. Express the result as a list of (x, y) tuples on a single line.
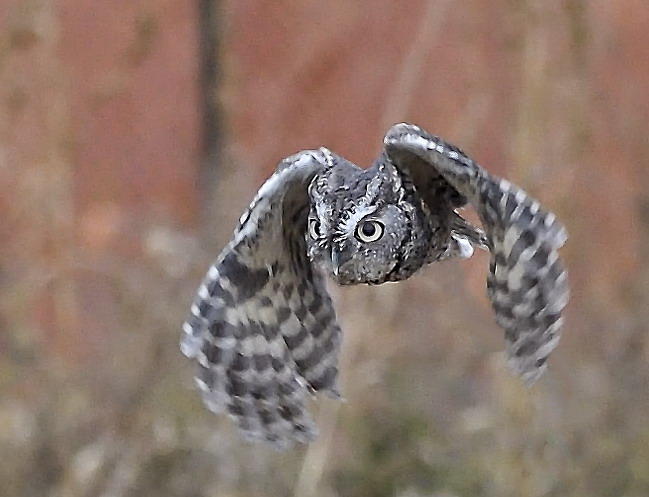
[(395, 131)]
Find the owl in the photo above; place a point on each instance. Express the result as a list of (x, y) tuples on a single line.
[(262, 327)]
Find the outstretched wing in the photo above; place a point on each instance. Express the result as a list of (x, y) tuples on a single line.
[(262, 326), (527, 283)]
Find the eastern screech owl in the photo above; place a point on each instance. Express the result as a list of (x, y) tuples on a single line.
[(263, 328)]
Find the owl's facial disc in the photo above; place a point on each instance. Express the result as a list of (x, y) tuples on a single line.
[(368, 250), (357, 224)]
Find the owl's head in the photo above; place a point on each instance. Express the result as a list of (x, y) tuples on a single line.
[(360, 222)]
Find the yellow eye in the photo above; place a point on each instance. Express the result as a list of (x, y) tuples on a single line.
[(369, 231), (314, 228)]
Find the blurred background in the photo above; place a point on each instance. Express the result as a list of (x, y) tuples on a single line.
[(134, 133)]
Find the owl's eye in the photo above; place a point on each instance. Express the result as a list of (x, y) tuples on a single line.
[(314, 228), (369, 231)]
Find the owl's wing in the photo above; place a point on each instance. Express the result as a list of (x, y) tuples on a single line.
[(527, 284), (262, 326)]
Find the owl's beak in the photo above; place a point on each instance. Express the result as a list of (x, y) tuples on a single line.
[(338, 259), (335, 261)]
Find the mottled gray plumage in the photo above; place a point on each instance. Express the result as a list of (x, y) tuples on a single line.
[(263, 328)]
